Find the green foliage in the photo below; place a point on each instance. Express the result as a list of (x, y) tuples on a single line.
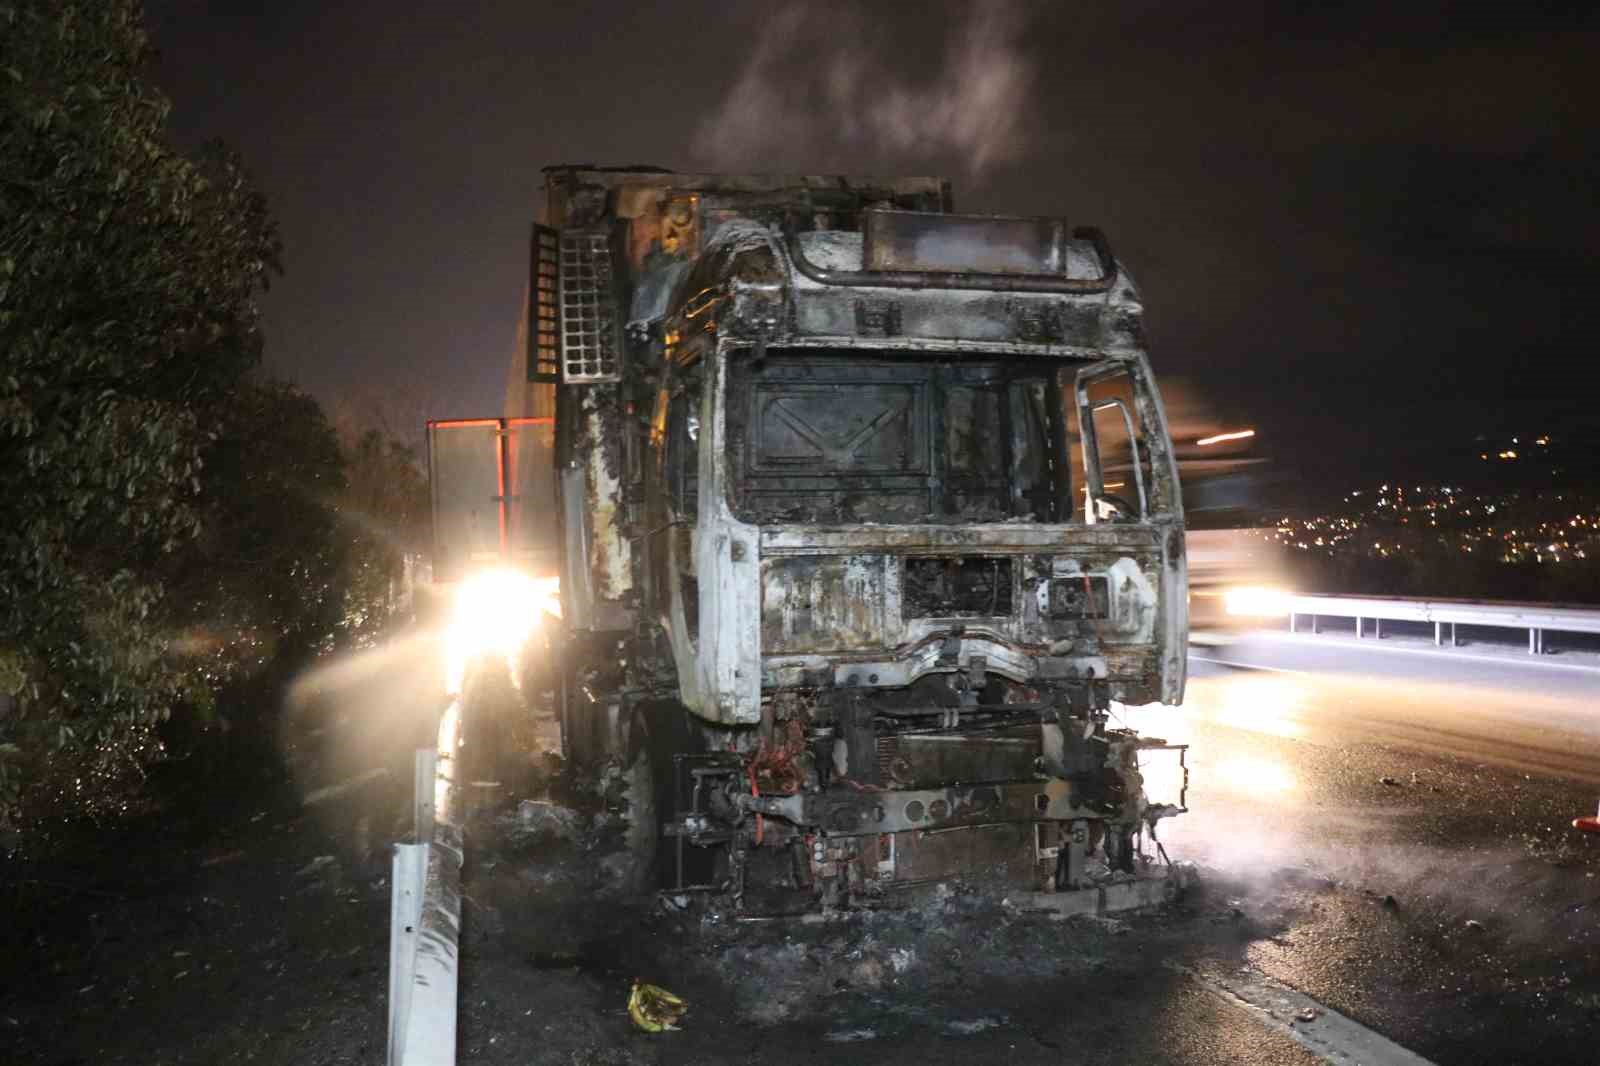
[(303, 548), (265, 577), (127, 279), (384, 513), (304, 539)]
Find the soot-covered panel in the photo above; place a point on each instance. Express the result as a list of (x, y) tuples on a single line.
[(957, 586)]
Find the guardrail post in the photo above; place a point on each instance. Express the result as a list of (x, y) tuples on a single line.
[(1292, 628), (1316, 625), (425, 771), (425, 916), (1535, 641), (408, 874), (1455, 642), (1377, 628), (1359, 626), (1438, 634)]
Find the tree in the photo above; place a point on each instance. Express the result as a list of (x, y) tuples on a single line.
[(384, 513), (303, 547), (265, 578), (128, 279)]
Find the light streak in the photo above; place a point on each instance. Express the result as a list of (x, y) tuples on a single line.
[(1242, 434)]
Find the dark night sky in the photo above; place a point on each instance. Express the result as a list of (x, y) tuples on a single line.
[(1371, 233)]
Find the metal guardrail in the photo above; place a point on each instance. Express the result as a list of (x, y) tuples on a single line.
[(1536, 618), (425, 915)]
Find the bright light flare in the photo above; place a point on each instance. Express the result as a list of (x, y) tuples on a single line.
[(495, 612), (1253, 776), (1163, 776), (1256, 601), (1242, 434)]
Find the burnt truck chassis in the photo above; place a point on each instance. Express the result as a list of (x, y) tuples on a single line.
[(836, 674), (856, 797), (841, 839)]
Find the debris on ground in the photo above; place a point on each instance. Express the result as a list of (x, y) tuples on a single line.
[(1310, 1014), (617, 870), (227, 856), (1474, 924), (1391, 782), (540, 819), (322, 865), (321, 874), (972, 1026), (869, 973), (653, 1008)]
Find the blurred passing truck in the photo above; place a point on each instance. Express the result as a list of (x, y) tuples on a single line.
[(1236, 584), (863, 512), (1238, 580)]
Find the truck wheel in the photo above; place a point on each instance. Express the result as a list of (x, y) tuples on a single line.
[(658, 732)]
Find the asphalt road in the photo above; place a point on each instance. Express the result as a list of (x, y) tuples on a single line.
[(1383, 829), (1416, 807), (1380, 828)]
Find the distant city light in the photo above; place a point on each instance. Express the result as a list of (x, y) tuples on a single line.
[(1515, 527), (1220, 437)]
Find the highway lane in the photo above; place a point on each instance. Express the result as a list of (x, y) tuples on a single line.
[(1404, 818), (1512, 711)]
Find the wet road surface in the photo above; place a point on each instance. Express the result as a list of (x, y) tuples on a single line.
[(1426, 801), (1386, 833)]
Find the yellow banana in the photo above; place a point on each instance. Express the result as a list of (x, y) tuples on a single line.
[(653, 1008)]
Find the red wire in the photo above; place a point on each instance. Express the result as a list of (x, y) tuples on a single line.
[(761, 823)]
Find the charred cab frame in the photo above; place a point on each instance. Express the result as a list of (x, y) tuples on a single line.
[(868, 516)]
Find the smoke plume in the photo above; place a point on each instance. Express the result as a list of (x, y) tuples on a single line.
[(825, 85)]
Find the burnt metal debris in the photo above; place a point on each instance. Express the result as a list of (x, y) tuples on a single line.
[(866, 515)]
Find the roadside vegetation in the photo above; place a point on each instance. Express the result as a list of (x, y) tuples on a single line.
[(176, 532)]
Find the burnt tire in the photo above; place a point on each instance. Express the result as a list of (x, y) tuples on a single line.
[(658, 731)]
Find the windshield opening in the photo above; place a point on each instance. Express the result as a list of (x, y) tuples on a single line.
[(820, 436)]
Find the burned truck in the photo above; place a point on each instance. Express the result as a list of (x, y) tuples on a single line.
[(867, 519)]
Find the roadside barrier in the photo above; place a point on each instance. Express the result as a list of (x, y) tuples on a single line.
[(1536, 618), (425, 914)]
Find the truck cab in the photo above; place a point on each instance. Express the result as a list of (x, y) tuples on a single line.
[(867, 517)]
